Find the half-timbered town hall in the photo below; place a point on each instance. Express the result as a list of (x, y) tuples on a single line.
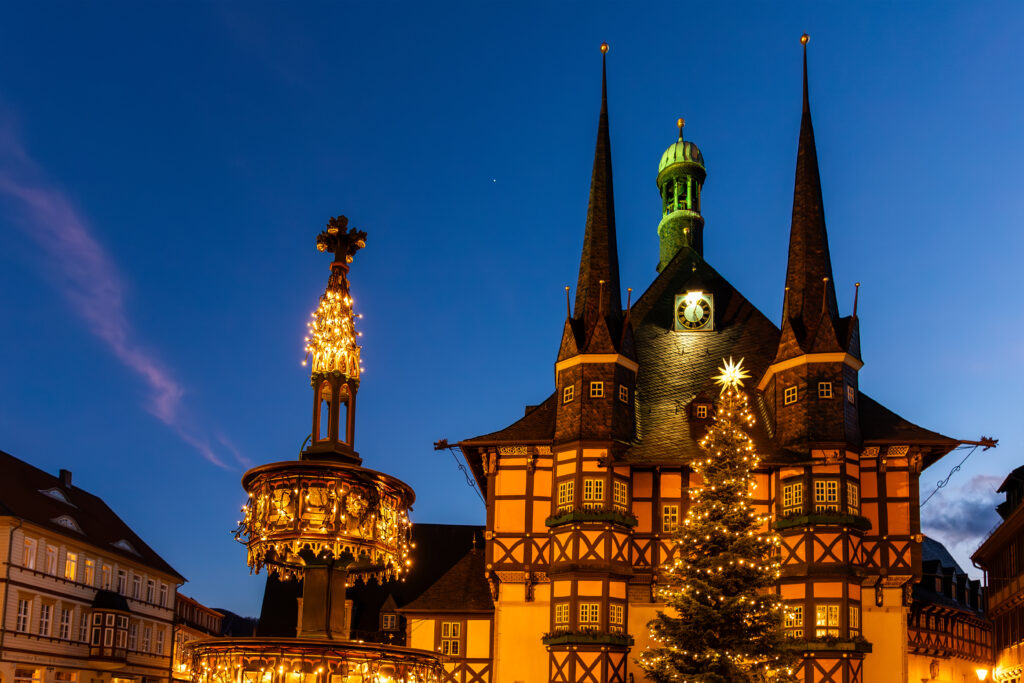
[(584, 491)]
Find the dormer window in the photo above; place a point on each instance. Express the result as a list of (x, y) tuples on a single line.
[(56, 494), (125, 545), (789, 396), (67, 522), (701, 410)]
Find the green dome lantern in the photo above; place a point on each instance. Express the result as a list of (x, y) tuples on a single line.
[(681, 176)]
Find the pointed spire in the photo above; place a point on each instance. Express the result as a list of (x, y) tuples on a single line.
[(599, 261), (810, 292)]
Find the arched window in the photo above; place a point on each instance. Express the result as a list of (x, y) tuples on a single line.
[(324, 412)]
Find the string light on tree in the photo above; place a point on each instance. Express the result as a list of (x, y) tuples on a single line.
[(725, 625)]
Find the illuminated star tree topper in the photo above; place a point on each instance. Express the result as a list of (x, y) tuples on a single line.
[(732, 375)]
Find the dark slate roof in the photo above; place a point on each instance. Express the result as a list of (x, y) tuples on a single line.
[(675, 369), (438, 548), (811, 315), (537, 426), (463, 588), (21, 496), (600, 258), (936, 561)]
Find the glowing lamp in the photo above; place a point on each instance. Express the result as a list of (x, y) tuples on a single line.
[(982, 674)]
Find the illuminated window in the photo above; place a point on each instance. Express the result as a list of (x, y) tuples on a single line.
[(568, 393), (90, 572), (792, 499), (562, 616), (852, 498), (27, 676), (789, 395), (65, 624), (590, 616), (593, 494), (620, 495), (624, 393), (51, 560), (45, 612), (700, 411), (21, 625), (451, 637), (826, 621), (597, 390), (793, 622), (851, 394), (105, 574), (616, 619), (670, 518), (71, 566), (28, 554), (854, 621), (826, 495), (565, 491), (389, 622), (824, 389)]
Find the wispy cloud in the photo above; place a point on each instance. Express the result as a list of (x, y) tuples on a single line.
[(86, 275)]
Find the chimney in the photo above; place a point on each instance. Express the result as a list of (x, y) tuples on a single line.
[(65, 478)]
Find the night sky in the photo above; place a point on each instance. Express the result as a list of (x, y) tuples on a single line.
[(165, 167)]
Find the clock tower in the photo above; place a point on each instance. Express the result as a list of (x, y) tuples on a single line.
[(681, 176)]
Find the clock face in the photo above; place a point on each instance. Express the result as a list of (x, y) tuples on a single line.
[(693, 311)]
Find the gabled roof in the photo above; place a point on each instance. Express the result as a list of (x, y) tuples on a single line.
[(463, 588), (31, 494)]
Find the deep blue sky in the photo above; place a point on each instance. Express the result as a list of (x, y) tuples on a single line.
[(164, 169)]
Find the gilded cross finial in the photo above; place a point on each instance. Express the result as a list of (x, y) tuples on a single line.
[(339, 239), (732, 375)]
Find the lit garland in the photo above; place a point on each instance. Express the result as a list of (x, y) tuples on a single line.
[(330, 509), (293, 660), (728, 626), (331, 343)]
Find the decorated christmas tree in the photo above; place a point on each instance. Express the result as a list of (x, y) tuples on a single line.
[(724, 622)]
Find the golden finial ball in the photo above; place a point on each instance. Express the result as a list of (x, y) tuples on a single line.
[(604, 48), (680, 123), (804, 38)]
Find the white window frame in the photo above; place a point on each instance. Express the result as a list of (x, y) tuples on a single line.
[(561, 616), (133, 635), (24, 618), (620, 495), (29, 552), (150, 591), (147, 638), (71, 566), (826, 495), (597, 389), (590, 616), (106, 576), (593, 493), (65, 624), (159, 641), (826, 620), (568, 393), (825, 390), (89, 569), (790, 395), (83, 627), (52, 555), (793, 622), (616, 617), (792, 498), (853, 497), (565, 495), (122, 582), (45, 619), (136, 587), (389, 622), (669, 518), (163, 595)]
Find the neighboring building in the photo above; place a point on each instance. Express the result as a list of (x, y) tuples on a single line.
[(192, 620), (950, 636), (584, 491), (455, 617), (1002, 558), (84, 599)]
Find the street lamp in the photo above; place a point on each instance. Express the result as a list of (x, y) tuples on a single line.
[(982, 674)]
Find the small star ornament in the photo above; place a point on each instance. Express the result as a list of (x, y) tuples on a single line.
[(732, 375)]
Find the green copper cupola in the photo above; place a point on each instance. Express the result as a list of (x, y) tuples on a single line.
[(681, 176)]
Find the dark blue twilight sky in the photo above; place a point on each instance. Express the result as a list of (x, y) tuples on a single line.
[(164, 168)]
